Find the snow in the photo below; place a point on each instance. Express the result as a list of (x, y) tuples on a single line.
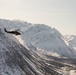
[(71, 39), (37, 38), (7, 60), (4, 69), (48, 39), (54, 54), (73, 72)]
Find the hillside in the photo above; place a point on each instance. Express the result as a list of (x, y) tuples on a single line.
[(44, 38), (21, 56), (71, 39)]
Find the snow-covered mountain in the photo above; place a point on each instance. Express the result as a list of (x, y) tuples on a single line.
[(48, 40), (15, 59), (19, 56), (44, 38), (71, 39)]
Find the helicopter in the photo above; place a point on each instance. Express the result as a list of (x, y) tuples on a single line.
[(15, 32)]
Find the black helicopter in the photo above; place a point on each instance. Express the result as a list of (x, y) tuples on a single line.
[(13, 32)]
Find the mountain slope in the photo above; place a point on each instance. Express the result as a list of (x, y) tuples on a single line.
[(43, 38), (15, 59), (48, 40), (71, 39)]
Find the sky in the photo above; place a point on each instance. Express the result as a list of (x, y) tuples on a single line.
[(59, 14)]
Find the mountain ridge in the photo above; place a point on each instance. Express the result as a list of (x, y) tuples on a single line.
[(19, 58), (71, 39), (42, 37)]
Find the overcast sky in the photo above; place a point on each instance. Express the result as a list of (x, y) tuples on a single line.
[(60, 14)]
